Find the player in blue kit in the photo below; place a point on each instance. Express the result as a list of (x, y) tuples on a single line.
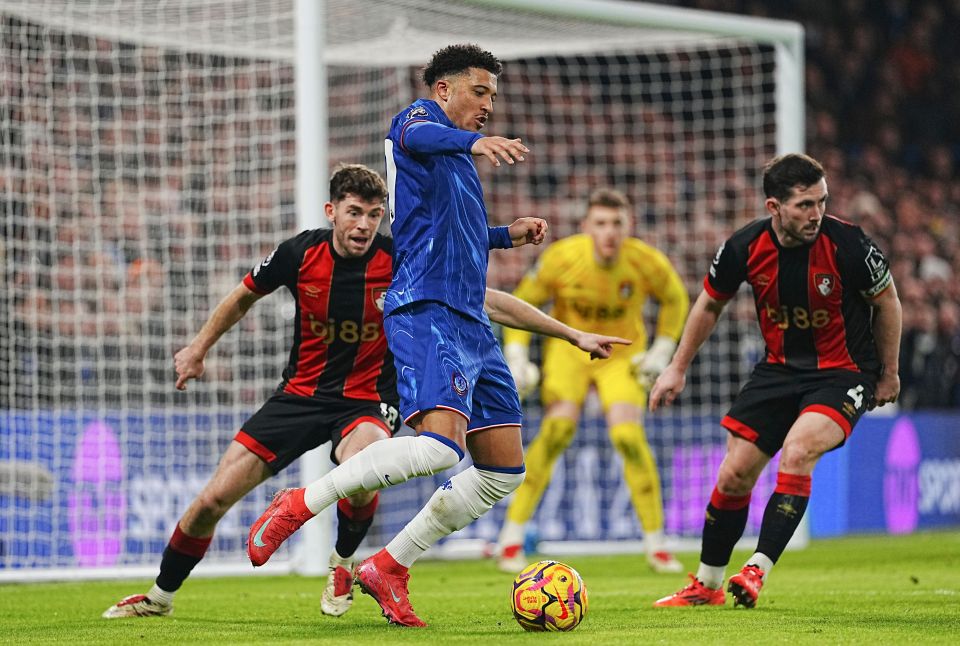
[(455, 388)]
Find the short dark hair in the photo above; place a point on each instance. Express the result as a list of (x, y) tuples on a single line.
[(781, 174), (456, 59), (608, 197), (358, 180)]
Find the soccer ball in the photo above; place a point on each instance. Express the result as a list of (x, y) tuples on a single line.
[(549, 596)]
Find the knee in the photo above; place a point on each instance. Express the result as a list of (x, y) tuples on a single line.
[(512, 483), (798, 457), (628, 439), (734, 482), (474, 491), (432, 453), (497, 485), (556, 433)]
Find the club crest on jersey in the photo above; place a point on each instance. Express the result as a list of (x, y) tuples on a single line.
[(459, 384), (626, 290), (378, 294), (825, 283), (419, 111)]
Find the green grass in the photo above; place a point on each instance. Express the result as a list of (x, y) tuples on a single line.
[(860, 590)]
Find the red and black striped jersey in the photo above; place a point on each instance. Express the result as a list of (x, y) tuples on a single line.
[(339, 347), (813, 300)]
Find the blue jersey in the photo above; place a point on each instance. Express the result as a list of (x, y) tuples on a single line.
[(441, 240)]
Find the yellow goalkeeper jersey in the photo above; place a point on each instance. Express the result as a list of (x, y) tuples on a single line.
[(605, 299)]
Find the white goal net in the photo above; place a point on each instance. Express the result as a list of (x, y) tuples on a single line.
[(148, 156)]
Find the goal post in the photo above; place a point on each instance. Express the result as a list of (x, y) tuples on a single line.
[(312, 169), (151, 153)]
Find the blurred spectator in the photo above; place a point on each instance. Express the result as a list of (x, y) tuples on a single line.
[(918, 351)]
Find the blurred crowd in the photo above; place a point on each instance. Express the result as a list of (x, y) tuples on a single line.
[(138, 184)]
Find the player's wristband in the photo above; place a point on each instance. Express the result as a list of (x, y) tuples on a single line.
[(500, 238)]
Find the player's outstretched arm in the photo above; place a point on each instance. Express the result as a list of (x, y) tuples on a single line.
[(600, 346), (496, 148), (189, 361), (674, 305), (527, 231), (703, 318), (887, 325), (509, 310)]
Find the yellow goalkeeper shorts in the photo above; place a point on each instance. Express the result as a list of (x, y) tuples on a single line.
[(568, 373)]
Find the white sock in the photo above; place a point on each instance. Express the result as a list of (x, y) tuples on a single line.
[(654, 542), (160, 596), (458, 502), (762, 561), (383, 464), (512, 534), (344, 561), (711, 575)]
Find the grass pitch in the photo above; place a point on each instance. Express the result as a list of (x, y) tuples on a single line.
[(860, 590)]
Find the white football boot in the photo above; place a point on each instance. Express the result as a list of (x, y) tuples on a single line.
[(511, 559), (664, 562), (337, 596), (137, 605), (509, 550)]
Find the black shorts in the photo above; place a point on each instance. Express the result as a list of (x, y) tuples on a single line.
[(287, 426), (775, 396)]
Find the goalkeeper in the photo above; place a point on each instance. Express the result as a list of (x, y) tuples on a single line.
[(597, 280)]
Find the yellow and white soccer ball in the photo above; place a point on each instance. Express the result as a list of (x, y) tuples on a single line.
[(549, 596)]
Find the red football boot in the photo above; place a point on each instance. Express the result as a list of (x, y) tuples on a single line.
[(385, 580), (695, 594), (745, 587), (285, 515)]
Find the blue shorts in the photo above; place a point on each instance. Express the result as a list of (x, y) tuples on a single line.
[(447, 360)]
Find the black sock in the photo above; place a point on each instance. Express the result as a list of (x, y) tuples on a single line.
[(783, 513), (723, 526), (174, 569), (179, 558), (352, 525)]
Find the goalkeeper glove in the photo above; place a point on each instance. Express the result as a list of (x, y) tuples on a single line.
[(525, 372), (647, 366)]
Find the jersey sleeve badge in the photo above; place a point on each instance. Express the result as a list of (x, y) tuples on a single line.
[(418, 112), (879, 270), (263, 263), (716, 260)]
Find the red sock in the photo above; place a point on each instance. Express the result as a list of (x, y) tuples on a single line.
[(793, 484), (189, 545), (387, 563)]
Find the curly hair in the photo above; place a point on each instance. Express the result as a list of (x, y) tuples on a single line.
[(455, 59), (783, 173), (356, 179)]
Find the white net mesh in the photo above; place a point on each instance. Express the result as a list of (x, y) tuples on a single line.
[(139, 183), (147, 160)]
